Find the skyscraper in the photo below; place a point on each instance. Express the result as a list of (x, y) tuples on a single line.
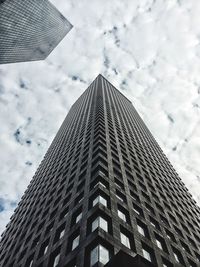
[(104, 194), (29, 30)]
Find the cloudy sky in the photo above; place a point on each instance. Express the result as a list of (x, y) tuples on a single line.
[(149, 49)]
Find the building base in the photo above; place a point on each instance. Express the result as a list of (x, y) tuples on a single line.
[(122, 259)]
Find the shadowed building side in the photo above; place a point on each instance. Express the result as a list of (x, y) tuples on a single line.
[(29, 30), (122, 259)]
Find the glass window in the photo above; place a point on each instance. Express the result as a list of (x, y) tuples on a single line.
[(176, 257), (45, 250), (80, 199), (100, 222), (120, 198), (154, 223), (166, 263), (159, 244), (56, 261), (99, 254), (64, 214), (192, 264), (170, 235), (78, 217), (125, 240), (141, 230), (75, 242), (99, 183), (122, 215), (119, 184), (185, 247), (137, 210), (62, 233), (94, 257), (146, 254), (103, 255), (99, 199)]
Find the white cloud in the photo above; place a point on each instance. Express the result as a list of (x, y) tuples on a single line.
[(148, 49)]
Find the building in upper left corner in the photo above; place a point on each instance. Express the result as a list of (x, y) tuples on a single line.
[(29, 30)]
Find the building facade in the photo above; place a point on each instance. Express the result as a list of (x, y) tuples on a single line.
[(29, 30), (104, 194)]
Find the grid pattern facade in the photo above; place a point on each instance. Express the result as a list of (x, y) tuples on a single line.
[(29, 30), (104, 185)]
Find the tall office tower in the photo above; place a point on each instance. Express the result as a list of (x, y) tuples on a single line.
[(29, 30), (104, 194)]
